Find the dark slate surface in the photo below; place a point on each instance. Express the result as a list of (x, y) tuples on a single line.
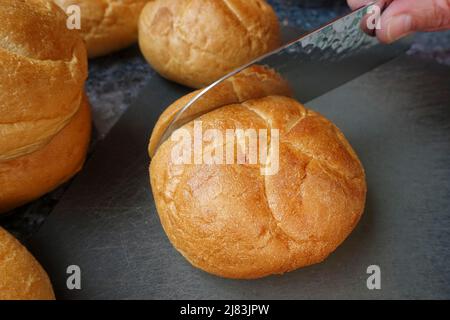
[(115, 81), (397, 117)]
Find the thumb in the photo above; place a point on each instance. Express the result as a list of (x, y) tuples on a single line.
[(355, 4), (403, 17)]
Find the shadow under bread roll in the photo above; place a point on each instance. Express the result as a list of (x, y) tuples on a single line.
[(197, 42), (237, 220), (44, 115), (21, 276), (107, 25)]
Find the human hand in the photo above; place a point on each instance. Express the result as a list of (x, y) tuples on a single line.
[(403, 17)]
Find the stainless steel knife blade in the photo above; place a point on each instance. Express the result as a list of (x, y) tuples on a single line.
[(314, 64)]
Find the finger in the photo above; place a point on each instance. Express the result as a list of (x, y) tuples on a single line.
[(355, 4), (371, 21), (403, 17)]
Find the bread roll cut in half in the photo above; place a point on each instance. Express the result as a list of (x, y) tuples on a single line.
[(197, 42), (106, 25), (21, 276), (231, 220), (44, 116)]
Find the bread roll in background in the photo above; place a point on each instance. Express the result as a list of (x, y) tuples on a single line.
[(21, 276), (234, 222), (44, 114), (197, 42), (107, 25)]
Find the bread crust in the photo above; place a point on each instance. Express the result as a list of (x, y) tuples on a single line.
[(21, 276), (44, 115), (196, 42), (231, 221), (38, 56), (252, 83), (107, 25), (29, 177)]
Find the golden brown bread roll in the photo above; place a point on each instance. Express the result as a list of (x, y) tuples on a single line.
[(232, 221), (107, 25), (197, 42), (21, 276), (251, 83), (44, 116), (28, 177), (43, 68)]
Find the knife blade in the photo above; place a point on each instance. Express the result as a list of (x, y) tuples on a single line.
[(313, 64)]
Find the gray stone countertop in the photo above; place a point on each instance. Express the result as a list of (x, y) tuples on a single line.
[(115, 80)]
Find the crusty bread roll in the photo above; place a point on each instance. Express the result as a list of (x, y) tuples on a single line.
[(43, 69), (107, 25), (232, 221), (44, 116), (21, 276), (28, 177), (197, 42), (251, 83)]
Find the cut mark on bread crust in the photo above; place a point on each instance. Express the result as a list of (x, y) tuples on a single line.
[(251, 36)]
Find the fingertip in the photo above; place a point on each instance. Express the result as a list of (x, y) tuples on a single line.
[(355, 4), (383, 38), (394, 28)]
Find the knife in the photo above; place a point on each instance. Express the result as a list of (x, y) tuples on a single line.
[(315, 63)]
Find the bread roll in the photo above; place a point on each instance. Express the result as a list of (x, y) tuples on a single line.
[(107, 25), (21, 276), (234, 222), (251, 83), (28, 177), (197, 42), (44, 68), (44, 116)]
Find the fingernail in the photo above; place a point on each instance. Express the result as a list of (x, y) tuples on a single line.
[(399, 27)]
